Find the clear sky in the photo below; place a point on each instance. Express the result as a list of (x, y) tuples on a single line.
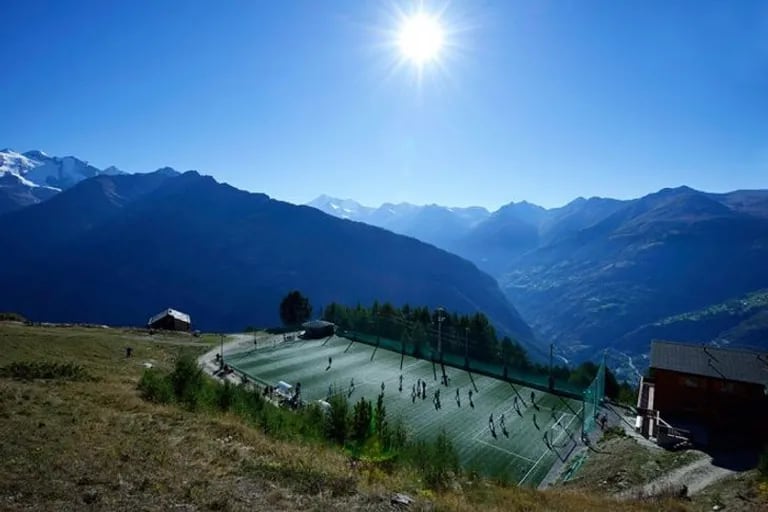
[(537, 100)]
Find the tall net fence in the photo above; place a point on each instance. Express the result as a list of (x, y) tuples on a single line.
[(514, 371), (593, 397)]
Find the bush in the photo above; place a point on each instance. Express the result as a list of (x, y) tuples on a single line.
[(154, 387), (337, 421), (361, 421), (11, 317), (612, 432), (627, 394), (398, 438), (224, 396), (445, 462), (248, 403), (44, 370), (762, 464), (363, 428), (187, 382), (438, 462)]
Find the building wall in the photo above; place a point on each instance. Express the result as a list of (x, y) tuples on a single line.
[(320, 332), (170, 323), (716, 401)]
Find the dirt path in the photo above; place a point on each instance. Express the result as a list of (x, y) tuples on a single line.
[(696, 476)]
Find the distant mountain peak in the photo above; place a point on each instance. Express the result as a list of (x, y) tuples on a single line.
[(36, 153), (39, 176), (682, 189), (322, 198), (112, 170)]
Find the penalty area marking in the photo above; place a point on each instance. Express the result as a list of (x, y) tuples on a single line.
[(477, 439), (508, 452), (544, 452)]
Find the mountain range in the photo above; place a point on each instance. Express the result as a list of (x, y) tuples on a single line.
[(31, 177), (667, 253), (434, 224), (116, 249), (596, 272), (595, 276)]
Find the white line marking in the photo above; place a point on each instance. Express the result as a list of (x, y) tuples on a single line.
[(509, 452), (544, 452)]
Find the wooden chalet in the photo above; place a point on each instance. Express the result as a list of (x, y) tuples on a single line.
[(170, 320), (704, 395)]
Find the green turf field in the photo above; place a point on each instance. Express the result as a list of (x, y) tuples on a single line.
[(520, 455)]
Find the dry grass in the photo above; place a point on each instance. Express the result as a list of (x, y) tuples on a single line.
[(622, 463), (742, 493), (95, 445)]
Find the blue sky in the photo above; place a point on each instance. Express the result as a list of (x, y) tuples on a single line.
[(542, 100)]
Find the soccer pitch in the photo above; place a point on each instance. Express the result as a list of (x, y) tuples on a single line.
[(517, 452)]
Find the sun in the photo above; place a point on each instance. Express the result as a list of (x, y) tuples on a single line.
[(420, 38)]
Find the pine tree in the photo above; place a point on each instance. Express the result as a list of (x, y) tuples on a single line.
[(295, 309), (361, 421), (380, 418)]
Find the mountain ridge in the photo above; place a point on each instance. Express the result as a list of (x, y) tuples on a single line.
[(189, 240), (589, 273), (34, 176)]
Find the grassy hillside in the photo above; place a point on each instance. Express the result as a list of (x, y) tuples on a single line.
[(85, 441), (742, 321)]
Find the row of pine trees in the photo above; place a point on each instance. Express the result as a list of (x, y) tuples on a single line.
[(419, 325)]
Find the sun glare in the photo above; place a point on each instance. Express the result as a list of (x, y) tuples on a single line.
[(420, 38)]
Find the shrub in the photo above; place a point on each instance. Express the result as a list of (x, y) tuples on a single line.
[(398, 439), (627, 394), (437, 462), (224, 396), (9, 316), (445, 462), (44, 370), (361, 421), (248, 403), (154, 387), (337, 420), (187, 382), (612, 432), (762, 464), (380, 418)]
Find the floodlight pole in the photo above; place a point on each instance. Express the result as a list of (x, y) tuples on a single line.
[(440, 319), (551, 381), (551, 348), (222, 350), (466, 347)]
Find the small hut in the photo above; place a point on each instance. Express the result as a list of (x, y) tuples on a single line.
[(170, 320), (318, 329)]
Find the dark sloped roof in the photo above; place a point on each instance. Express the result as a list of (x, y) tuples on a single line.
[(316, 324), (178, 315), (730, 364)]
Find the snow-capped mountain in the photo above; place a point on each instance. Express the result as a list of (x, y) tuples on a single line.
[(342, 208), (31, 177), (49, 171), (435, 224)]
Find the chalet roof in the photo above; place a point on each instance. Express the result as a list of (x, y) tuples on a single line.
[(178, 315), (708, 361), (316, 324)]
